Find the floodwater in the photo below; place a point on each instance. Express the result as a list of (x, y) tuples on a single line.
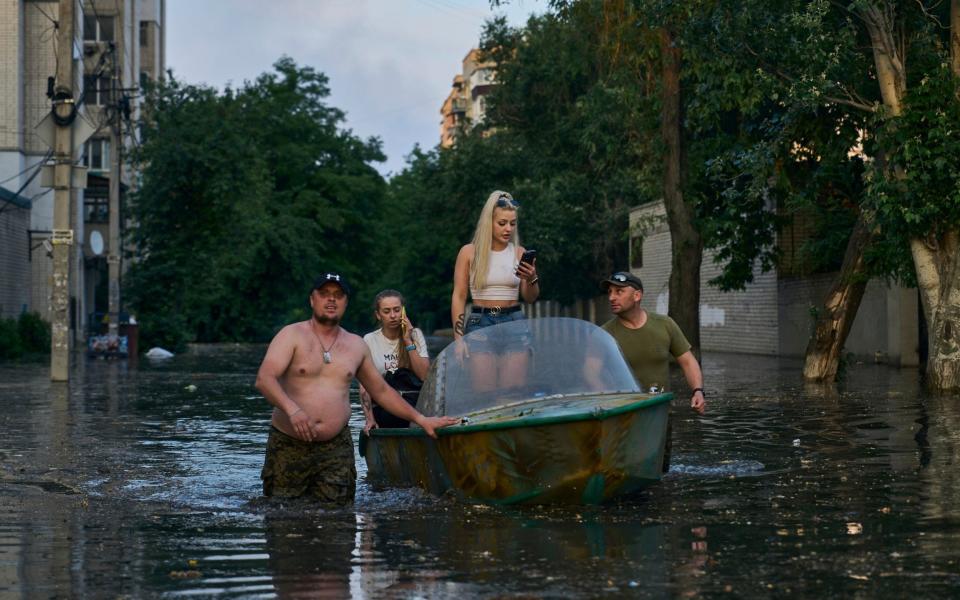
[(132, 483)]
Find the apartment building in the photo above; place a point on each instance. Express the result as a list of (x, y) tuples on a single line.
[(118, 46), (466, 104)]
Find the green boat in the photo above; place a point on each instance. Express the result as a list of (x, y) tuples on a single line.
[(572, 428)]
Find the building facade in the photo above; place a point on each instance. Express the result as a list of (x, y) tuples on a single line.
[(466, 104), (118, 46)]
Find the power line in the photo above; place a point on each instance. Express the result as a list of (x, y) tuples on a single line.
[(44, 13), (17, 175), (33, 176), (449, 10)]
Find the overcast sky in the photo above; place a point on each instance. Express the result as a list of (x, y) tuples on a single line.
[(390, 62)]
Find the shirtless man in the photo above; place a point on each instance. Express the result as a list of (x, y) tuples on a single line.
[(306, 376)]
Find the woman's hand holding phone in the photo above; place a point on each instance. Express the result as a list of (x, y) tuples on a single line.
[(526, 268)]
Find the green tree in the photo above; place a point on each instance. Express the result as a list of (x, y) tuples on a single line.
[(855, 57), (245, 196), (575, 101), (430, 211)]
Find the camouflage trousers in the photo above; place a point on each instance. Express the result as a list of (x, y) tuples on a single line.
[(325, 471)]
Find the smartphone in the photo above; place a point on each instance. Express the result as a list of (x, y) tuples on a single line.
[(528, 256), (403, 320)]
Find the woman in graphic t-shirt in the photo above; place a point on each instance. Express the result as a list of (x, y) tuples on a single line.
[(490, 269), (397, 344)]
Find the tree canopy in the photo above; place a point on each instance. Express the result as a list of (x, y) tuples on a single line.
[(782, 112), (245, 196)]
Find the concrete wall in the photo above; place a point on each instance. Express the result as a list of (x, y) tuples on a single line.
[(886, 328), (773, 315), (41, 275)]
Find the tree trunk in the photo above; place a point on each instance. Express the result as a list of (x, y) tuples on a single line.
[(943, 362), (686, 243), (934, 257), (822, 359), (955, 36), (938, 276)]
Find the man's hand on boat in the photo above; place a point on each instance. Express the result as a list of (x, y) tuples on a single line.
[(431, 424)]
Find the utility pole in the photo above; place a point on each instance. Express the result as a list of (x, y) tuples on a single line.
[(116, 141), (64, 112)]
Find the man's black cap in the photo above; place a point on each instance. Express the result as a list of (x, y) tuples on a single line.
[(329, 277), (622, 279)]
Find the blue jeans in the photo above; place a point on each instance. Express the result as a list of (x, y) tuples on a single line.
[(496, 341)]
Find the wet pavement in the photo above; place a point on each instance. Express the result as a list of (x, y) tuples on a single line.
[(142, 482)]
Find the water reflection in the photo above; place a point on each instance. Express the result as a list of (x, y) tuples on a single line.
[(143, 481), (310, 558)]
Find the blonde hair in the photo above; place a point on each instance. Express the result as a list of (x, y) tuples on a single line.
[(483, 239)]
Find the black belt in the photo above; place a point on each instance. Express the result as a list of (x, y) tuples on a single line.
[(496, 310)]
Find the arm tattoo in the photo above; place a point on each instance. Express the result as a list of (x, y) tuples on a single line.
[(458, 328), (365, 402)]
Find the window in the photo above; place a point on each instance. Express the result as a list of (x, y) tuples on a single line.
[(144, 34), (96, 90), (97, 30), (96, 155), (96, 208)]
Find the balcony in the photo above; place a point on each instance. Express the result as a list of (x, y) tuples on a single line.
[(460, 105)]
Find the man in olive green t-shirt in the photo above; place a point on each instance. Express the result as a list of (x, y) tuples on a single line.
[(648, 340)]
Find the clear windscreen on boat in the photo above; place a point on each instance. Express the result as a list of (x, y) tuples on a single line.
[(523, 360)]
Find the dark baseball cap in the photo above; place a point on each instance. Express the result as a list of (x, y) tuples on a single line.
[(622, 279), (329, 277)]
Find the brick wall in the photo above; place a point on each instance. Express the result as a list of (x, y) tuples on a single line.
[(739, 321), (14, 264), (729, 321), (11, 61), (40, 62)]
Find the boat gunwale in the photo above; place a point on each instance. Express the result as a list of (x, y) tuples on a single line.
[(584, 415)]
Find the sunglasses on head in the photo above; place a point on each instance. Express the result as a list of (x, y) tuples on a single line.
[(505, 201)]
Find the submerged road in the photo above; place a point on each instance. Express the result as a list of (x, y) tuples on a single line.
[(143, 482)]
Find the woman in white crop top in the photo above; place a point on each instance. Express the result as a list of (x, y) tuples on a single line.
[(490, 269), (397, 344)]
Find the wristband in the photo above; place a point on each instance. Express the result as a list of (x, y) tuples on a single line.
[(695, 390), (534, 281), (411, 347)]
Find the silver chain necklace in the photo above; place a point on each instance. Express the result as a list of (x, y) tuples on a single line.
[(327, 359)]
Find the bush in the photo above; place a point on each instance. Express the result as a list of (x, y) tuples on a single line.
[(10, 345), (168, 331), (34, 333)]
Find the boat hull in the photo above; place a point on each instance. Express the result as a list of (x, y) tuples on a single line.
[(585, 451)]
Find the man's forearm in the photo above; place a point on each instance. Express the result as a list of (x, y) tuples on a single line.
[(691, 370), (365, 400), (273, 392)]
